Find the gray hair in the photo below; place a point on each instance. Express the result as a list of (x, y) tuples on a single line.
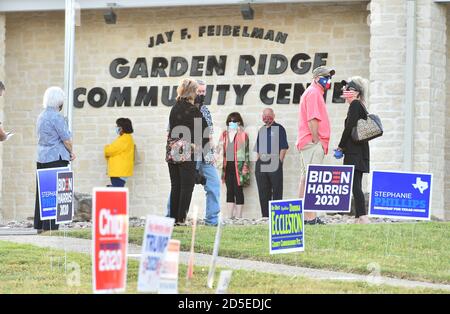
[(363, 85), (53, 97), (201, 82)]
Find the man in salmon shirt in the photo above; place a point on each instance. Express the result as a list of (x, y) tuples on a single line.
[(313, 128)]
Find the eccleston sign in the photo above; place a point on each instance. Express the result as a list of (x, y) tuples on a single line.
[(161, 67)]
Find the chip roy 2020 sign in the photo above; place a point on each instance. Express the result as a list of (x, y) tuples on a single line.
[(110, 237), (286, 226), (328, 188), (404, 195)]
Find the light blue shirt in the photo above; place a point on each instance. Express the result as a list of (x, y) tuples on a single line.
[(52, 130)]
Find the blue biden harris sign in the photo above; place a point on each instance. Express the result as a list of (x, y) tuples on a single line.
[(404, 195)]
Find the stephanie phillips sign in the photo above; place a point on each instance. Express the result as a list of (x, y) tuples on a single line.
[(328, 188), (404, 195), (286, 226), (110, 234)]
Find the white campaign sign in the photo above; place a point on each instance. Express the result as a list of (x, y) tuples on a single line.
[(168, 280), (158, 231)]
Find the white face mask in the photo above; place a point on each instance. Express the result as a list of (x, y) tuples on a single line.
[(117, 130)]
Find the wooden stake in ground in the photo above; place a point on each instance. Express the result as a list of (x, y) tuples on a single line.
[(190, 271), (212, 266)]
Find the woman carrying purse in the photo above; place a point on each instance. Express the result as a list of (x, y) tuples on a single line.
[(181, 144), (356, 153)]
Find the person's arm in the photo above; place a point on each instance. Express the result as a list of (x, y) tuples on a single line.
[(283, 142), (64, 134), (352, 120), (314, 128), (69, 146), (246, 167), (283, 154), (114, 148), (3, 135)]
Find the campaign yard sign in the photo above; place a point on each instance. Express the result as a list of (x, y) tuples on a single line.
[(168, 280), (110, 234), (64, 197), (158, 231), (328, 188), (405, 195), (286, 226), (46, 182)]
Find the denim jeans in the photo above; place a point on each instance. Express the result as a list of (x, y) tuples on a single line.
[(212, 189), (117, 182)]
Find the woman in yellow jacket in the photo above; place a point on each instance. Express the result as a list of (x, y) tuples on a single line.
[(120, 154)]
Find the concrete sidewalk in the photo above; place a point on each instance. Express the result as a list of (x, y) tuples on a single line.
[(84, 246)]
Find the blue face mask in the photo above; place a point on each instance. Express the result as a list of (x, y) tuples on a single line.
[(118, 130), (233, 125)]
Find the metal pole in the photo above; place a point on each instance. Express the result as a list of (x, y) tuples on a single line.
[(410, 81), (69, 60)]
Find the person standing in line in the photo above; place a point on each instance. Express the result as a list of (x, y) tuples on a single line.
[(55, 148), (313, 129), (183, 147), (271, 148), (206, 166), (357, 154), (234, 147), (120, 153)]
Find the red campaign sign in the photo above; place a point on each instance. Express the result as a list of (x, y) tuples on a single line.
[(110, 234)]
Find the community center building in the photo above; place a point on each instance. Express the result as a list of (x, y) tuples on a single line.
[(131, 55)]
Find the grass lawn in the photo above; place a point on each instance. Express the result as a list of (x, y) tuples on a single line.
[(30, 269), (418, 251)]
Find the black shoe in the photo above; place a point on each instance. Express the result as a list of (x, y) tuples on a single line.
[(315, 221)]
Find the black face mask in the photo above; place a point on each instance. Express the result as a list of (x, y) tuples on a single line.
[(199, 99)]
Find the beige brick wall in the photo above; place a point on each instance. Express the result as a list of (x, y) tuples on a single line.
[(431, 46), (387, 59), (35, 48), (2, 78), (387, 70), (447, 127)]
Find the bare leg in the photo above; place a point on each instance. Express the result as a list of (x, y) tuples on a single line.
[(301, 193), (239, 211), (230, 207)]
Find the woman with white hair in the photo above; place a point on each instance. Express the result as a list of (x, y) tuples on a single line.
[(356, 154), (54, 144)]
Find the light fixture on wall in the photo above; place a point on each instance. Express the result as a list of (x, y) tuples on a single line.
[(110, 16), (247, 11)]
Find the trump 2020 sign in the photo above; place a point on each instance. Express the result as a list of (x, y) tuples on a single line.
[(286, 226), (110, 234), (404, 195), (328, 188)]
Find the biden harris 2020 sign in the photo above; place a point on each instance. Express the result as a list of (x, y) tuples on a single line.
[(328, 188), (404, 195), (286, 226)]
